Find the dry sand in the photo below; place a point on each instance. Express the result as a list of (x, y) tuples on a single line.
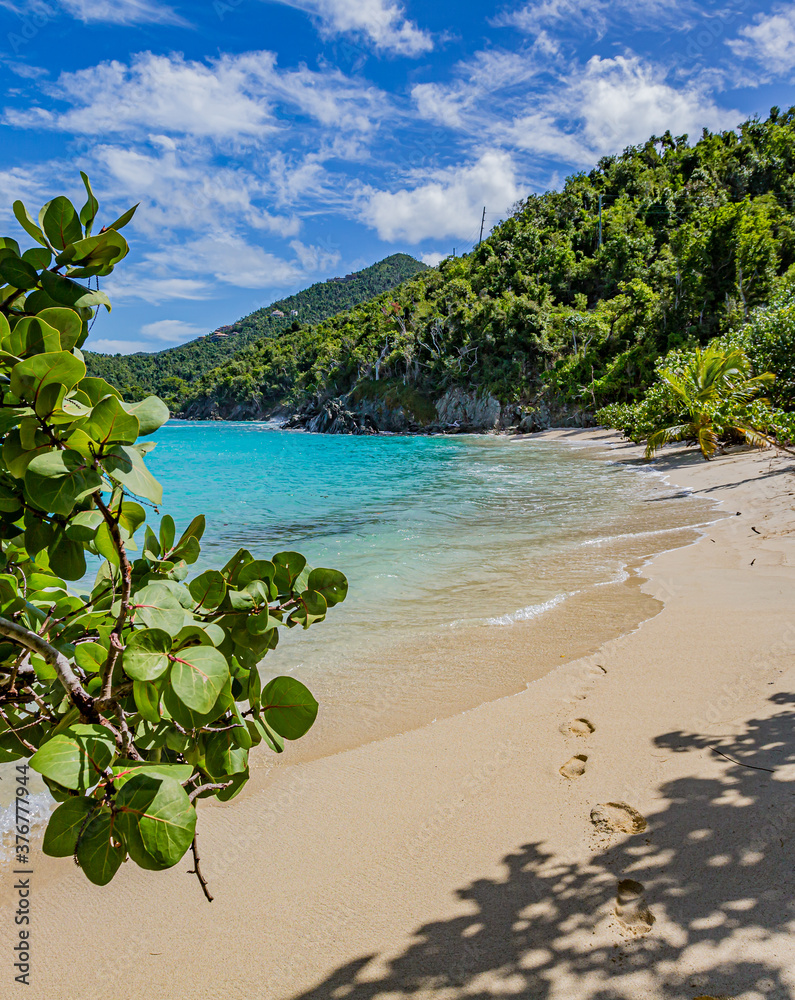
[(583, 840)]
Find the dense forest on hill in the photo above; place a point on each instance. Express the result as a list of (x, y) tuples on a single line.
[(694, 237), (167, 373)]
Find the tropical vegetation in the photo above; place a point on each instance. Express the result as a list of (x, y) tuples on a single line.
[(553, 309), (169, 373), (131, 687)]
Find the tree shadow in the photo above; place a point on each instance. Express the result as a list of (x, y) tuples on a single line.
[(713, 863)]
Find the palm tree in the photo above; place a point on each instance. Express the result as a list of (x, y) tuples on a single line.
[(713, 386)]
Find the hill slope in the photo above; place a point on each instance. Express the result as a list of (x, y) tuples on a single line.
[(166, 373), (541, 317)]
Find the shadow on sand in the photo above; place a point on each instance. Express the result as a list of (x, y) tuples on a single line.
[(716, 865)]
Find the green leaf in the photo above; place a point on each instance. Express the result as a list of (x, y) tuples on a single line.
[(91, 657), (146, 654), (77, 758), (24, 219), (198, 675), (100, 851), (38, 257), (223, 756), (157, 607), (7, 243), (167, 532), (147, 701), (125, 465), (60, 222), (289, 707), (56, 481), (66, 822), (124, 770), (208, 590), (110, 423), (122, 220), (32, 335), (151, 413), (31, 377), (89, 211), (66, 322), (67, 558), (259, 569), (97, 389), (18, 273), (330, 583), (289, 566), (159, 811), (194, 530), (132, 516), (83, 526), (70, 293)]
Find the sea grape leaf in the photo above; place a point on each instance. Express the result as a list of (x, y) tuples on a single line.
[(56, 480), (224, 757), (66, 822), (157, 607), (110, 423), (330, 583), (18, 273), (161, 812), (289, 707), (25, 220), (198, 675), (89, 211), (151, 414), (100, 851), (208, 589), (146, 654), (30, 376), (66, 322), (60, 222), (126, 465), (147, 701), (77, 757)]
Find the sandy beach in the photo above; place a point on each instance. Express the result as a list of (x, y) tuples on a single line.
[(620, 830)]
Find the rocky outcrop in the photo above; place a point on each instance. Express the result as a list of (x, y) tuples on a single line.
[(457, 412)]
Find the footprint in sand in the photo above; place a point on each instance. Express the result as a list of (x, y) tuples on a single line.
[(631, 910), (617, 817), (574, 768), (580, 727)]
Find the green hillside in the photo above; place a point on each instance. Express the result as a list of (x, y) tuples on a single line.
[(167, 373), (695, 236)]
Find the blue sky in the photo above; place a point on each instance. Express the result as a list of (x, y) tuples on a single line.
[(273, 143)]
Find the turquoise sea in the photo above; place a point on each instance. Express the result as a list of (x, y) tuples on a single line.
[(476, 564), (456, 549)]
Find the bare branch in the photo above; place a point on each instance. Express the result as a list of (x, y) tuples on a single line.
[(36, 644), (125, 569), (196, 870)]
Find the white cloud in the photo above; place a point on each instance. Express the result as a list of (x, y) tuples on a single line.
[(382, 22), (174, 331), (232, 98), (592, 15), (770, 41), (433, 258), (314, 259), (607, 105), (98, 11), (445, 202), (122, 12), (102, 346), (624, 100), (124, 286)]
